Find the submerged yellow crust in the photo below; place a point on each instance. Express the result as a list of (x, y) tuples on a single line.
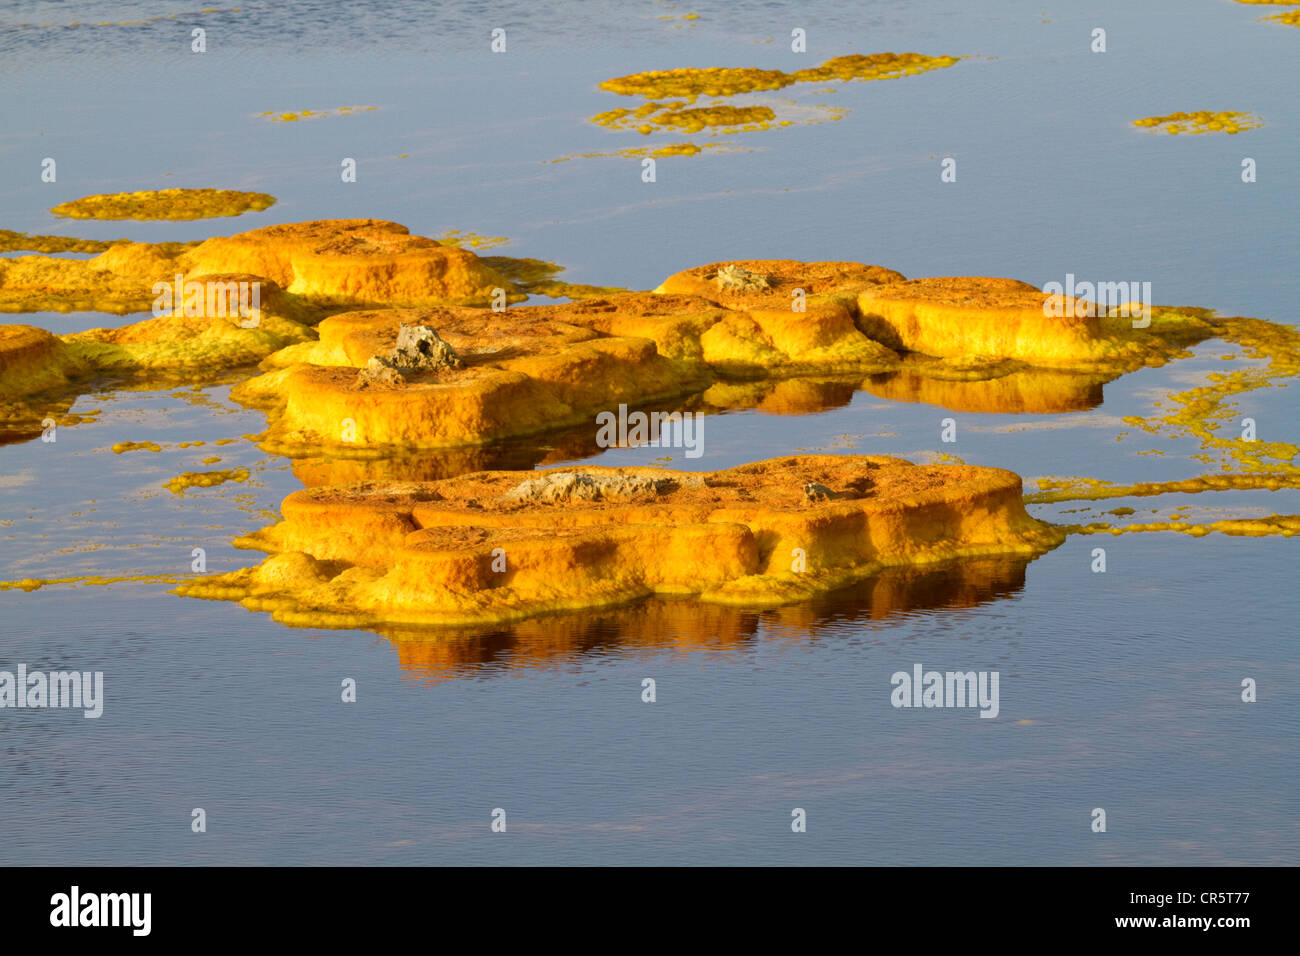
[(729, 81), (172, 204), (501, 546), (1291, 18), (1202, 121)]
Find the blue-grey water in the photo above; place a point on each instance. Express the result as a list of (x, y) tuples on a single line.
[(1118, 690)]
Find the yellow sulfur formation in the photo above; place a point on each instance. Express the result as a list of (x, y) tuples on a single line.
[(1202, 121), (125, 446), (678, 117), (34, 361), (724, 81), (355, 260), (11, 241), (1283, 525), (171, 204), (292, 117), (204, 479), (1053, 490), (972, 343), (500, 546)]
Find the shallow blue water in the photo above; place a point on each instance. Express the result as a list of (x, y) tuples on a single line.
[(1118, 690)]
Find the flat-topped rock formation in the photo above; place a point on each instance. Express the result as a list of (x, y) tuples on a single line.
[(491, 547), (349, 387)]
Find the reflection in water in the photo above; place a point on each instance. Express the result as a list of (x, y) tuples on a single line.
[(1034, 391), (685, 625), (1027, 391)]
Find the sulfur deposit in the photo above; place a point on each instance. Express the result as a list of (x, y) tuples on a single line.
[(1202, 121), (171, 204), (373, 340), (492, 547), (729, 81)]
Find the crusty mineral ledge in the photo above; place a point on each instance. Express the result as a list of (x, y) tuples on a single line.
[(977, 341), (351, 261), (502, 546)]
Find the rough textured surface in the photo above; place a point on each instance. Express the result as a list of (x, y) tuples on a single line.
[(559, 486), (33, 360), (419, 349), (171, 204), (968, 342), (473, 550), (354, 260), (348, 261), (717, 281), (978, 342)]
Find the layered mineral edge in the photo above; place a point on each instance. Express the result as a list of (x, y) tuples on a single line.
[(374, 342), (494, 547), (333, 296)]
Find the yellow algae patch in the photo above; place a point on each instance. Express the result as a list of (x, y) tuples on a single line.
[(170, 204), (1283, 525), (640, 152), (125, 446), (729, 81), (1053, 490), (679, 117), (294, 117), (1202, 121), (493, 547), (35, 584), (875, 66), (472, 239), (538, 277), (204, 479), (1291, 18), (11, 241), (692, 82), (1208, 414)]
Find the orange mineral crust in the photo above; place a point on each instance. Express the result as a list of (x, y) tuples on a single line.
[(971, 316), (525, 370), (773, 283), (492, 547), (345, 261), (517, 374), (357, 260)]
